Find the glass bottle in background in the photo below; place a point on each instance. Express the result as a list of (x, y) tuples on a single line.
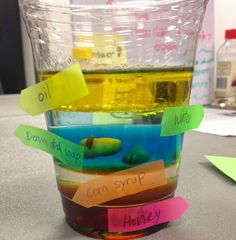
[(225, 88)]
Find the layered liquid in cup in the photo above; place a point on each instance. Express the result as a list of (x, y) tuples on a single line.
[(119, 125)]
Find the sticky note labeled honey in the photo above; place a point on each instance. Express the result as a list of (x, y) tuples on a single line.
[(62, 88), (178, 120), (67, 152), (120, 184), (141, 217)]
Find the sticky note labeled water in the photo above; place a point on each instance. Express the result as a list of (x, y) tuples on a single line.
[(225, 164), (62, 88), (177, 120), (141, 217), (120, 184), (67, 152)]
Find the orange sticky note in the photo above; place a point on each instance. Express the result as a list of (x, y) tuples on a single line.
[(120, 184)]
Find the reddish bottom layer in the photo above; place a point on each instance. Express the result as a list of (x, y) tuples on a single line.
[(115, 236), (93, 222)]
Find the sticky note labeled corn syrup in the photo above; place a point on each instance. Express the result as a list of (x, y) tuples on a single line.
[(120, 184), (62, 88), (177, 120), (141, 217), (67, 152), (225, 164)]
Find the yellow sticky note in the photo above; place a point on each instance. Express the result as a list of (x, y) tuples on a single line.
[(63, 88), (105, 49), (120, 184)]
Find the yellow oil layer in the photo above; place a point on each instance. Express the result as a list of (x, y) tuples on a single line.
[(132, 91)]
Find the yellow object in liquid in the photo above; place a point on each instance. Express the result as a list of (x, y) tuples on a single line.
[(132, 91)]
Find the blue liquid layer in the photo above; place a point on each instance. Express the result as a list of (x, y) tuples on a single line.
[(145, 137)]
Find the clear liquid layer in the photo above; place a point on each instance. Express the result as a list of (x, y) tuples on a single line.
[(135, 141), (119, 125), (114, 142)]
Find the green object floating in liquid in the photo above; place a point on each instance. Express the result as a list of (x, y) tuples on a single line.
[(136, 155), (96, 147)]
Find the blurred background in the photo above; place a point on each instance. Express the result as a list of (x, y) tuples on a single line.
[(16, 62), (12, 65)]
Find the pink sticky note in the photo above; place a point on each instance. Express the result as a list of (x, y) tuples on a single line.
[(137, 218)]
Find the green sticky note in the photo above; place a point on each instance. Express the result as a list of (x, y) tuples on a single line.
[(177, 120), (226, 164), (67, 152), (62, 88)]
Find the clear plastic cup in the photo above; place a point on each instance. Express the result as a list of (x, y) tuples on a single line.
[(137, 59)]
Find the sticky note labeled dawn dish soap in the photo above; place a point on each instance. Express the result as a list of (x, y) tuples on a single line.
[(178, 120), (141, 217), (63, 88), (67, 152), (225, 164), (120, 184)]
